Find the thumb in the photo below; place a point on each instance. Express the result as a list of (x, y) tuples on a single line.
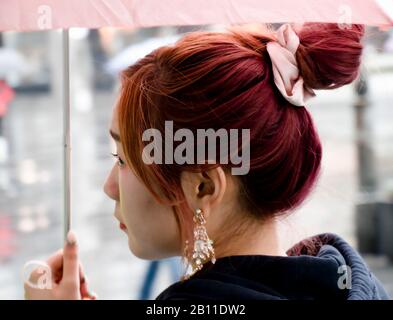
[(70, 258)]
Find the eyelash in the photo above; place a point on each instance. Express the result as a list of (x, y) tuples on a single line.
[(120, 162)]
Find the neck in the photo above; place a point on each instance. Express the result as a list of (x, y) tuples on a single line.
[(263, 239)]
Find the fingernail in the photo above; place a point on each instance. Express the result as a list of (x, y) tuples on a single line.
[(71, 237)]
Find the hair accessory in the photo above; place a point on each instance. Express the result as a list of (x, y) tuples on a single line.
[(285, 68)]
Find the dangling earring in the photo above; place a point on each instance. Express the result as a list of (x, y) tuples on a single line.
[(203, 246)]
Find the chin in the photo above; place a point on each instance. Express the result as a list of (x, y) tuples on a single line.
[(145, 254), (139, 252)]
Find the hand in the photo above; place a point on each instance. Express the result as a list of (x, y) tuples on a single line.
[(65, 276)]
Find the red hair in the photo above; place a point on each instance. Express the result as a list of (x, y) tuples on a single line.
[(225, 80)]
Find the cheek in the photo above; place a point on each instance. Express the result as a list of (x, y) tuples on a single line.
[(140, 211), (152, 227), (134, 197)]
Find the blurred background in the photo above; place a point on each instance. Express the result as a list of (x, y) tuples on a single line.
[(354, 196)]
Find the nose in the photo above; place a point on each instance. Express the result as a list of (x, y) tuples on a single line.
[(111, 185)]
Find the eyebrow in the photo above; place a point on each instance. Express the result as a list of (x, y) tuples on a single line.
[(114, 135)]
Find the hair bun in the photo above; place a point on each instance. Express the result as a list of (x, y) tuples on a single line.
[(329, 56)]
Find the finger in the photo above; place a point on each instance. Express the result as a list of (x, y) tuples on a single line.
[(56, 259), (86, 294), (83, 282), (55, 262), (90, 296), (70, 259)]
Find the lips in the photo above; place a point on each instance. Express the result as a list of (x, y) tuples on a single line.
[(122, 226)]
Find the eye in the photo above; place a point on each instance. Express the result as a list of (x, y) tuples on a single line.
[(120, 162)]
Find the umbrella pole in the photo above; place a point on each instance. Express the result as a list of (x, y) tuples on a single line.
[(66, 133)]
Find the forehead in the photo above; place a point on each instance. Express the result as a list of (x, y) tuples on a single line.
[(114, 125)]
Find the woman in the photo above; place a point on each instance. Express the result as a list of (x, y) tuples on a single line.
[(225, 224)]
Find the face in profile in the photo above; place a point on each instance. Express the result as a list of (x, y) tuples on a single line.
[(151, 227)]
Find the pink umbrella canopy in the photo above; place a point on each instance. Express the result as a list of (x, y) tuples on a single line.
[(30, 15), (25, 15)]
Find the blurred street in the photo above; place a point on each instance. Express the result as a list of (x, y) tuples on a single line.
[(31, 186)]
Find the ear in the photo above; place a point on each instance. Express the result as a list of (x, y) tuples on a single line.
[(204, 190)]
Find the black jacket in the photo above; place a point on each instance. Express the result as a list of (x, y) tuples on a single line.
[(316, 268)]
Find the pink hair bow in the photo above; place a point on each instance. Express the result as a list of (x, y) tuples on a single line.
[(285, 68)]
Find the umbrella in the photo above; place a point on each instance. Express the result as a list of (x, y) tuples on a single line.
[(26, 15), (21, 15)]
